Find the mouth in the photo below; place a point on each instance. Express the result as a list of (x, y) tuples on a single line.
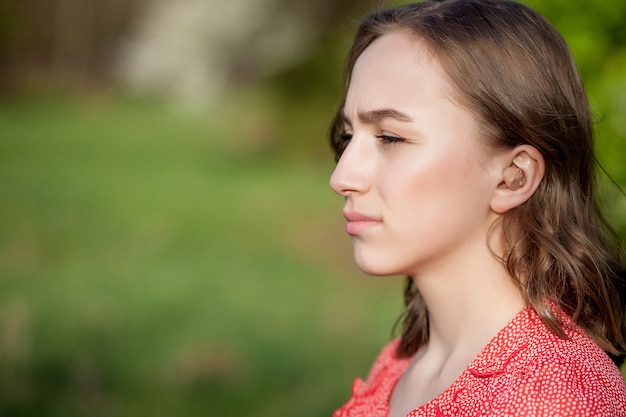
[(357, 223)]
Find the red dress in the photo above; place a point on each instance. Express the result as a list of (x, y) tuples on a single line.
[(525, 370)]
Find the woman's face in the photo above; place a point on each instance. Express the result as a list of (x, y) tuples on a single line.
[(416, 175)]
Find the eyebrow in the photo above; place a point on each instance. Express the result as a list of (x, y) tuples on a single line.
[(376, 116)]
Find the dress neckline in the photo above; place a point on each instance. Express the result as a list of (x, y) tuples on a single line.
[(492, 359)]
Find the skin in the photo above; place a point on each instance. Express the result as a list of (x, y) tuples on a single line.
[(419, 168)]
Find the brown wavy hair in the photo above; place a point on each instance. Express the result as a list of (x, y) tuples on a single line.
[(515, 73)]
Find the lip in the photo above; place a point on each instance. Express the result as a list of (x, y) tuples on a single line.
[(358, 222)]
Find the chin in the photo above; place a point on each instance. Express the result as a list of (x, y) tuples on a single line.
[(374, 268)]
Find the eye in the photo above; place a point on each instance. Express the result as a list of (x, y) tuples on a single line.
[(340, 143), (387, 139), (345, 137)]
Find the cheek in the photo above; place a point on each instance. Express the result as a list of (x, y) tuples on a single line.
[(436, 173), (447, 181)]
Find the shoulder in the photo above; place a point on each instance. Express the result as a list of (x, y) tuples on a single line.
[(561, 377), (369, 397), (383, 374), (385, 361), (564, 386)]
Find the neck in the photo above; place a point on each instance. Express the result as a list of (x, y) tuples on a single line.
[(468, 302)]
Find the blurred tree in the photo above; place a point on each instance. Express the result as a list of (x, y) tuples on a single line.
[(196, 49), (61, 41)]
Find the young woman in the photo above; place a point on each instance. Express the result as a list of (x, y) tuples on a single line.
[(465, 158)]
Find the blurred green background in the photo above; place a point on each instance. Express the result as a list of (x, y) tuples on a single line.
[(168, 241)]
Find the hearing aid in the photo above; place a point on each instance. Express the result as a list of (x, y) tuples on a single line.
[(514, 177)]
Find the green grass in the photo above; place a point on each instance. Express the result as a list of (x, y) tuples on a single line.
[(155, 263)]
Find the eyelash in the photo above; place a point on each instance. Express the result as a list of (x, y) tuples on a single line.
[(389, 140), (383, 139)]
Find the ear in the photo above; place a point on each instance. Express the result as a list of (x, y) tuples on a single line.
[(522, 169)]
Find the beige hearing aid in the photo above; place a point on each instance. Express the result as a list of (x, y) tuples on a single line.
[(514, 176)]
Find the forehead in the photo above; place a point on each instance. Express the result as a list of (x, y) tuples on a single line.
[(397, 69)]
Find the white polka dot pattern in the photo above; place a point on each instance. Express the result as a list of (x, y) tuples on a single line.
[(524, 371)]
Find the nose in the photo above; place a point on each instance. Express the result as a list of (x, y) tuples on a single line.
[(351, 175)]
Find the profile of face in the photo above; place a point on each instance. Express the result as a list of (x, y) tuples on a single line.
[(417, 175)]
